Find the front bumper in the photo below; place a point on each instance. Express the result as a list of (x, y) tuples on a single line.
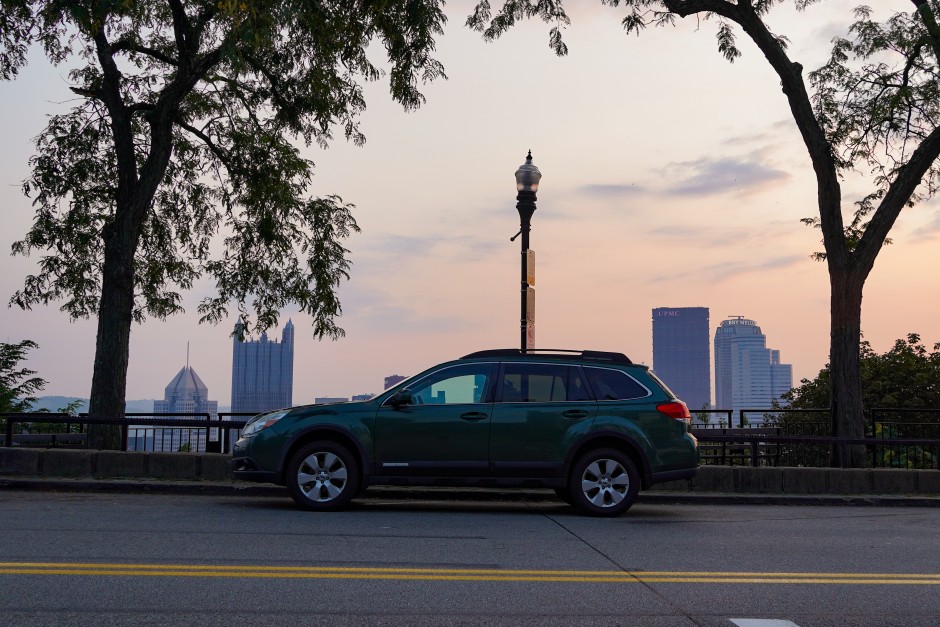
[(245, 469)]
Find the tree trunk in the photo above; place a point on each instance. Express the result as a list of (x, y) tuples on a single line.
[(109, 382), (845, 395)]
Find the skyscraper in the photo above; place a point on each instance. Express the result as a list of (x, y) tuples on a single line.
[(185, 394), (748, 375), (393, 379), (680, 353), (263, 373)]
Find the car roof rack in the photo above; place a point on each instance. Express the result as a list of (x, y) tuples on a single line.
[(618, 358)]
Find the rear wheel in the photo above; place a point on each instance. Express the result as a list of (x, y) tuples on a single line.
[(322, 476), (604, 482)]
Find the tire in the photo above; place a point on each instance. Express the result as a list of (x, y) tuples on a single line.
[(604, 482), (323, 476)]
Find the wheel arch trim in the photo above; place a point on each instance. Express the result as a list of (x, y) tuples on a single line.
[(612, 439), (334, 433)]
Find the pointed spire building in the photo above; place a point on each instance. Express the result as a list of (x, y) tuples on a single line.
[(185, 394)]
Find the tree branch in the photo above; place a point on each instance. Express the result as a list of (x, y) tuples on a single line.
[(120, 122), (930, 22), (899, 192), (125, 44), (181, 31), (216, 150), (791, 79)]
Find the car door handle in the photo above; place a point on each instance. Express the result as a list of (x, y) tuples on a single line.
[(575, 414), (473, 416)]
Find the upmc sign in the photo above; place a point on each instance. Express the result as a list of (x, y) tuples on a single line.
[(668, 313)]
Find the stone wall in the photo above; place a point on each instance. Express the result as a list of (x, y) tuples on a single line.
[(26, 462)]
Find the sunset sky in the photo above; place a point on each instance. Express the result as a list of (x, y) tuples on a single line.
[(670, 178)]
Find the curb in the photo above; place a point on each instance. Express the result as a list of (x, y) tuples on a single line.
[(230, 488)]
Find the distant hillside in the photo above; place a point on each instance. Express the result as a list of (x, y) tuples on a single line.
[(55, 403)]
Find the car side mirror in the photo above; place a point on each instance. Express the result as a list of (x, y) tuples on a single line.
[(401, 398)]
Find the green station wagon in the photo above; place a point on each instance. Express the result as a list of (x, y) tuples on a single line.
[(592, 425)]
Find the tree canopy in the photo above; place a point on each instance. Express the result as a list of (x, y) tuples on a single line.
[(874, 111), (905, 377), (17, 384), (186, 130)]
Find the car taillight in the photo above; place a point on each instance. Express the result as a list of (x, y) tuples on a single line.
[(677, 410)]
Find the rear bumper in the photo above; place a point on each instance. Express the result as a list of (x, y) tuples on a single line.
[(673, 475)]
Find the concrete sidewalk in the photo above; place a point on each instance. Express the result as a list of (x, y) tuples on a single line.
[(237, 488)]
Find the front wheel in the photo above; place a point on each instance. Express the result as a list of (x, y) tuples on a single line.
[(604, 482), (322, 476)]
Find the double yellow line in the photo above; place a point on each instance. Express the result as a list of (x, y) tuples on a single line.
[(459, 574)]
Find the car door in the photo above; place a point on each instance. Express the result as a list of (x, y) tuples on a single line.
[(444, 430), (540, 410)]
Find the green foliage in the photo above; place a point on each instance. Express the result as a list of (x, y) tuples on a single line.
[(17, 385), (907, 376), (185, 132), (512, 11)]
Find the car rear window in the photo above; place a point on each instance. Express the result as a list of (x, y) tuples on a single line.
[(541, 383), (614, 385)]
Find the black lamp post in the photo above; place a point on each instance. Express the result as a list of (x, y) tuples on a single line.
[(527, 183)]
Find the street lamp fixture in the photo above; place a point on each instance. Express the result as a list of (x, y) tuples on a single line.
[(527, 184)]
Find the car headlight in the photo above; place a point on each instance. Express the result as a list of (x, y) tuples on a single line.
[(262, 421)]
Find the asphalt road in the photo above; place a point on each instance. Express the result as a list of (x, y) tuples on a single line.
[(145, 559)]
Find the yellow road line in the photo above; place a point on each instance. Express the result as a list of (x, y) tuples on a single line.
[(460, 574)]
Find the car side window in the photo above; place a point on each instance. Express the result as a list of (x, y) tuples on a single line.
[(577, 388), (541, 383), (452, 386), (614, 385)]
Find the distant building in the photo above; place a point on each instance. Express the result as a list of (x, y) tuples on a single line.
[(362, 397), (393, 379), (185, 394), (325, 400), (748, 375), (263, 373), (681, 353)]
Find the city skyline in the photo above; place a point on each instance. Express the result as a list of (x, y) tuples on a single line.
[(679, 181)]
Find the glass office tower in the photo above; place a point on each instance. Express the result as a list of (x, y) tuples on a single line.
[(680, 353), (748, 375)]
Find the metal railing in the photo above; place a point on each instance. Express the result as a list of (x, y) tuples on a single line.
[(895, 438), (177, 432)]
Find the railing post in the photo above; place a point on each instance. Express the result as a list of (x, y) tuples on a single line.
[(9, 434)]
